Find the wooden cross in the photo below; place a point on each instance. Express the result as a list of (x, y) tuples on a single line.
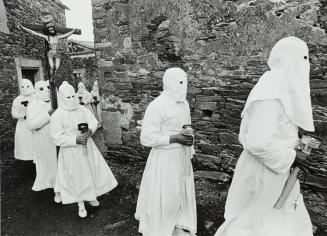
[(52, 35)]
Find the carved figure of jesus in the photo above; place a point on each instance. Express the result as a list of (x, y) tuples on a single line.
[(53, 41)]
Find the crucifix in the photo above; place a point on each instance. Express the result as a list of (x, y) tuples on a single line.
[(52, 35)]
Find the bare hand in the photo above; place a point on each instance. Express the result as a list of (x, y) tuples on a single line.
[(81, 139), (51, 112), (301, 160), (182, 139)]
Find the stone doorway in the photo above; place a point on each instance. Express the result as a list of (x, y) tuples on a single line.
[(78, 76), (29, 69), (30, 74)]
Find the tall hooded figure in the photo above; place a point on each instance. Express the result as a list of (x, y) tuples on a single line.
[(277, 106), (84, 97), (96, 102), (83, 174), (166, 203), (38, 119), (24, 147)]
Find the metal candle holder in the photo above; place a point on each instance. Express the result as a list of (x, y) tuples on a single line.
[(308, 143), (188, 130), (83, 127), (24, 103)]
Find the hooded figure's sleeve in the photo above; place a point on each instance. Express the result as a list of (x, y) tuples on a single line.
[(259, 137), (36, 118), (16, 110), (151, 135), (58, 133)]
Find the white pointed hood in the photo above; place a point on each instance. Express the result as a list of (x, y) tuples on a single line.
[(175, 84), (81, 88), (67, 97), (26, 87), (95, 89), (287, 81), (42, 91)]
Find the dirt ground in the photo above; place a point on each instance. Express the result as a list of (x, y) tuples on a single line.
[(25, 212)]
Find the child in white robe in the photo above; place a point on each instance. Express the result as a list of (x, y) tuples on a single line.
[(85, 97), (38, 119), (24, 146), (277, 105), (96, 102), (83, 174), (166, 203)]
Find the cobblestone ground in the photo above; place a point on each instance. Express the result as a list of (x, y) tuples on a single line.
[(24, 212)]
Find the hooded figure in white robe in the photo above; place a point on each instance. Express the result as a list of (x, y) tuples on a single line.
[(85, 97), (24, 146), (277, 106), (83, 174), (96, 102), (38, 119), (166, 203)]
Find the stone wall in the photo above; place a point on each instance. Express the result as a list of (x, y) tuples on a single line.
[(223, 46), (91, 69), (18, 43)]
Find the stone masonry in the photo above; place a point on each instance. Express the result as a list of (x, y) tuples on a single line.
[(223, 46), (15, 43)]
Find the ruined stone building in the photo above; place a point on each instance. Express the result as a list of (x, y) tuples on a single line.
[(223, 46), (84, 66), (23, 55)]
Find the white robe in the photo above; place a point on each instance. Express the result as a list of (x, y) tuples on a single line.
[(24, 145), (38, 120), (268, 138), (83, 174), (167, 196), (86, 98)]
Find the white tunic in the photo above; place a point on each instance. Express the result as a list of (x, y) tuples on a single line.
[(38, 120), (268, 138), (24, 146), (83, 174), (167, 197)]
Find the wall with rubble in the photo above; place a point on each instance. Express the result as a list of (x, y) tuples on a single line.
[(223, 46)]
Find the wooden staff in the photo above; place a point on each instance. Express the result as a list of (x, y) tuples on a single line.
[(288, 187), (307, 143)]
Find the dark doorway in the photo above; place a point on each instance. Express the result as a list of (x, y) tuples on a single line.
[(29, 73)]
